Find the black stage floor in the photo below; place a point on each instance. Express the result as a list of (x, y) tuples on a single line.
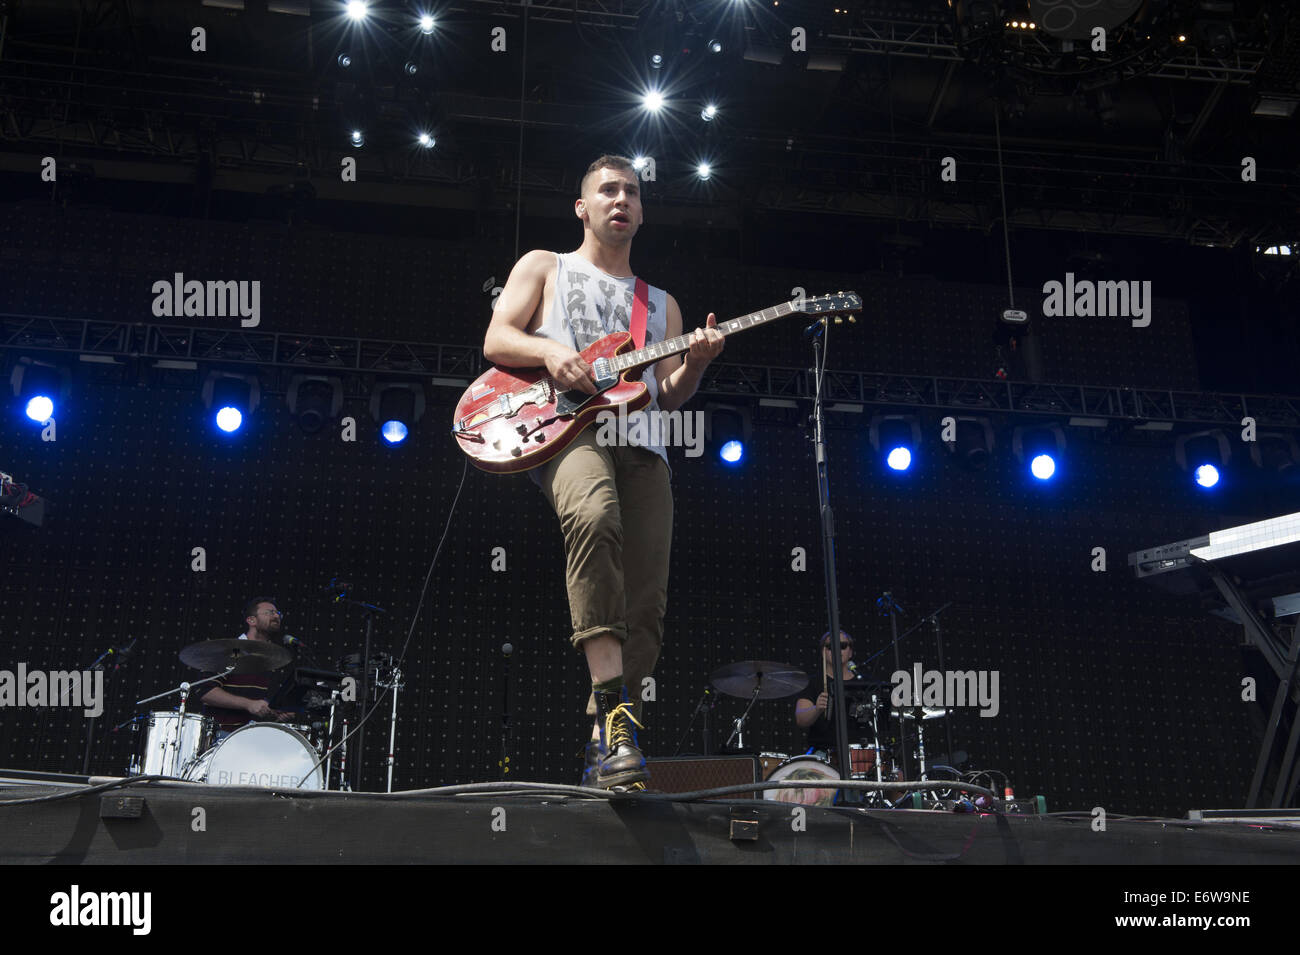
[(73, 822)]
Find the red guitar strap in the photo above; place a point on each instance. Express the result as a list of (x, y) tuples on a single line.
[(639, 306)]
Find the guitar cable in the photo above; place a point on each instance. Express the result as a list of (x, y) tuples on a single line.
[(415, 617)]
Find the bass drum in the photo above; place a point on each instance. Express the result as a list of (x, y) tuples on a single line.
[(800, 768), (269, 755)]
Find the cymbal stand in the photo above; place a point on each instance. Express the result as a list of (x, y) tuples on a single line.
[(738, 734), (344, 785)]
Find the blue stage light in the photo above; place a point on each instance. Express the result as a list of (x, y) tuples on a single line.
[(732, 452), (900, 458), (394, 432), (40, 408), (1207, 475), (1043, 466), (229, 419)]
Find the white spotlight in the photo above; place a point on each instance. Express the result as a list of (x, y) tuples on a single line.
[(703, 170), (358, 140), (427, 141), (356, 9), (657, 61), (639, 163), (426, 24), (654, 101), (715, 46), (708, 113)]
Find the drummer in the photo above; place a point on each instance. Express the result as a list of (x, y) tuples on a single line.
[(242, 697), (812, 716)]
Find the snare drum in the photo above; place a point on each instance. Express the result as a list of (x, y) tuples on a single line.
[(270, 755), (172, 743), (803, 768), (770, 761), (863, 759)]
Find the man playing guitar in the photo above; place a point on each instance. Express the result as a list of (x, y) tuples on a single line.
[(614, 502)]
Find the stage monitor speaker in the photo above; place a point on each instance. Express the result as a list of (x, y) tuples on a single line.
[(686, 774)]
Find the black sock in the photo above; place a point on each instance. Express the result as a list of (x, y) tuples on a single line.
[(609, 694)]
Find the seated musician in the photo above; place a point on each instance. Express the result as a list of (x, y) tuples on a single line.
[(241, 698), (811, 716)]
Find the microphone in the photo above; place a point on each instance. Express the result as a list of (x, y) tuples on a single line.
[(506, 650), (336, 588), (289, 640), (815, 329), (853, 668)]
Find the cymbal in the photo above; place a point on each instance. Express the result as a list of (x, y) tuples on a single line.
[(246, 656), (774, 680)]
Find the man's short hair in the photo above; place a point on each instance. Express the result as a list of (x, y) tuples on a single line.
[(825, 639), (607, 161), (250, 608)]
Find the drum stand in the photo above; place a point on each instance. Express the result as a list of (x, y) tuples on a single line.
[(184, 690), (394, 683), (329, 743)]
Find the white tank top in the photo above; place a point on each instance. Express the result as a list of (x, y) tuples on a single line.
[(590, 304)]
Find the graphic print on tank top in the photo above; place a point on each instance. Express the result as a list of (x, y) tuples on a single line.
[(612, 304)]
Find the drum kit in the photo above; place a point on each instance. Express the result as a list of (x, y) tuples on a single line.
[(871, 755), (293, 754)]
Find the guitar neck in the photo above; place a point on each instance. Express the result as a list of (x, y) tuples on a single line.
[(675, 346)]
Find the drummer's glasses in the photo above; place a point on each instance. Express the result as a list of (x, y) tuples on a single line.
[(273, 613)]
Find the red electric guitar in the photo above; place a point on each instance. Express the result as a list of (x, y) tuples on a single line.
[(514, 419)]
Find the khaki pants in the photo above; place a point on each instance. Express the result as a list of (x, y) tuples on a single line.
[(616, 511)]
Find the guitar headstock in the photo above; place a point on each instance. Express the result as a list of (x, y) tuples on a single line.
[(836, 304)]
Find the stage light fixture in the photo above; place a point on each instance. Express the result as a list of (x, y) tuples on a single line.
[(426, 24), (728, 429), (704, 171), (1275, 452), (427, 141), (897, 437), (653, 101), (1204, 455), (639, 163), (411, 68), (656, 61), (715, 46), (357, 139), (1041, 448), (231, 397), (356, 10), (708, 113), (397, 406), (40, 387), (313, 400), (972, 442), (344, 61)]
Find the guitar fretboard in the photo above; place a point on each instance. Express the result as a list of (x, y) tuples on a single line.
[(674, 346)]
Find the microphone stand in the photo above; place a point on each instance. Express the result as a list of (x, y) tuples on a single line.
[(364, 699), (828, 560), (92, 720), (506, 650)]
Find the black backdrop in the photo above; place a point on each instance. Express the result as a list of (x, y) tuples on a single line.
[(1112, 693)]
